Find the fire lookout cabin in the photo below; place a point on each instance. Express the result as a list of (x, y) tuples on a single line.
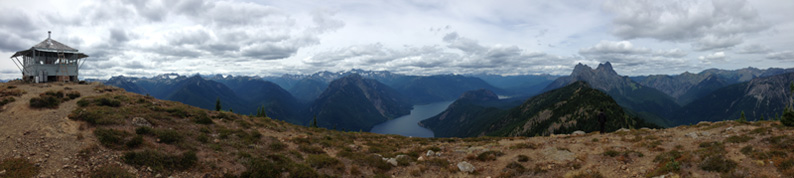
[(49, 61)]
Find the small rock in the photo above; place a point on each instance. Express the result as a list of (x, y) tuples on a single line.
[(704, 133), (46, 155), (438, 153), (421, 158), (692, 135), (65, 166), (401, 156), (3, 172), (578, 133), (141, 122), (466, 167), (430, 153), (729, 128), (216, 140), (623, 167), (392, 161)]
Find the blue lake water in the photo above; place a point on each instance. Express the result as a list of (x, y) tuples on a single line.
[(408, 125)]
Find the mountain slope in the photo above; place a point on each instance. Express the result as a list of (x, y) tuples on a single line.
[(564, 110), (355, 103), (468, 115), (649, 103), (308, 89), (765, 96), (256, 93)]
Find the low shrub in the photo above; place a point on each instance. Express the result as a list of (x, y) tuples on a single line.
[(144, 130), (97, 116), (113, 171), (161, 161), (522, 158), (738, 139), (135, 142), (277, 145), (489, 155), (203, 119), (320, 161), (718, 163), (6, 100), (168, 136), (611, 153), (18, 167), (45, 101), (110, 138), (72, 95), (310, 149)]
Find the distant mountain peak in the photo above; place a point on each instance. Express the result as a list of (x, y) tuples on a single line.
[(606, 67), (579, 68)]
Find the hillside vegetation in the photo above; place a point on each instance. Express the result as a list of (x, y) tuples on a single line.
[(107, 132)]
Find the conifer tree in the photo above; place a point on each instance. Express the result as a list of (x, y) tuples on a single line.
[(314, 123), (787, 118), (742, 119), (218, 104)]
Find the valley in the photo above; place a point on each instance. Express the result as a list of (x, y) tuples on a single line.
[(408, 125)]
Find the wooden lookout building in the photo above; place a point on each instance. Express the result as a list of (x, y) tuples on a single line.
[(49, 61)]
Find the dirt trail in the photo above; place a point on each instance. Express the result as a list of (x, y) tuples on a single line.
[(46, 137)]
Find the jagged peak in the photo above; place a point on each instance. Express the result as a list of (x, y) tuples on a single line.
[(606, 67), (580, 68)]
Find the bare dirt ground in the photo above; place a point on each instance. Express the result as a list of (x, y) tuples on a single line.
[(46, 137)]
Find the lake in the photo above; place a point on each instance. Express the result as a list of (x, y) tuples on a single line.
[(408, 125)]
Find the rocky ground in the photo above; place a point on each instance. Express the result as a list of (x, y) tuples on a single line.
[(54, 144)]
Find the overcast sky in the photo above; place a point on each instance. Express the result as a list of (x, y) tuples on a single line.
[(146, 38)]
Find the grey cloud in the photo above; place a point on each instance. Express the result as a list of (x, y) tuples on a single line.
[(712, 42), (269, 51), (754, 49), (784, 55), (134, 65), (118, 35), (193, 37), (624, 53), (707, 23)]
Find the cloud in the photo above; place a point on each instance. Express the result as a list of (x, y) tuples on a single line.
[(636, 59), (710, 25), (460, 55), (784, 55), (718, 56), (754, 49)]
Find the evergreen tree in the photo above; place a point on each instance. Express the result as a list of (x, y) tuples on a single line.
[(742, 119), (218, 104), (762, 118), (314, 123), (230, 110), (787, 118)]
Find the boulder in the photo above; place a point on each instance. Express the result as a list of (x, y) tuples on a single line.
[(692, 135), (421, 158), (466, 167), (430, 153), (141, 122), (392, 161), (578, 133)]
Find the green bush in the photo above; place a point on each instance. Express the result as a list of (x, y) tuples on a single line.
[(111, 171), (277, 146), (274, 166), (738, 139), (168, 136), (310, 149), (144, 130), (161, 161), (611, 153), (489, 155), (45, 101), (18, 167), (6, 100), (110, 138), (522, 158), (135, 142), (203, 119), (72, 95), (258, 167), (718, 163), (97, 116), (107, 102), (788, 117), (320, 161)]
